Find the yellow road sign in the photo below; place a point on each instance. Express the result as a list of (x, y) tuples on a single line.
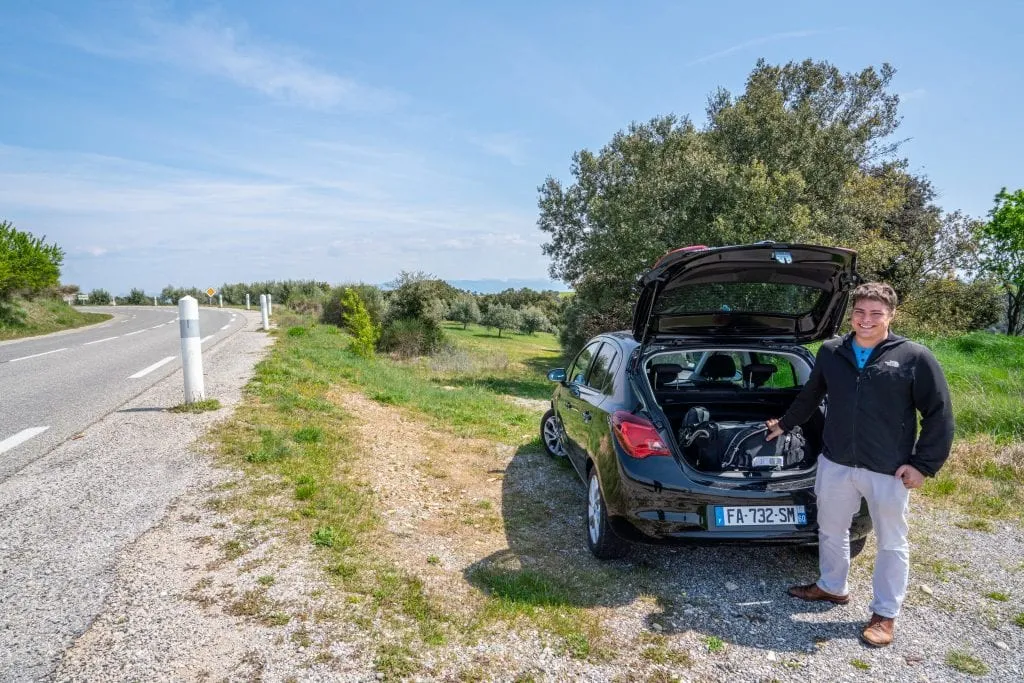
[(211, 291)]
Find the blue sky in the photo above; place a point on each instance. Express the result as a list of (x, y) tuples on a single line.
[(197, 143)]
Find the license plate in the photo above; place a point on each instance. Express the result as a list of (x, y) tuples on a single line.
[(761, 515)]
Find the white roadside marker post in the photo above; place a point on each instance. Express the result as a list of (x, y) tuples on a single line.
[(247, 301), (220, 300), (154, 301), (113, 301), (191, 349), (264, 304), (270, 305)]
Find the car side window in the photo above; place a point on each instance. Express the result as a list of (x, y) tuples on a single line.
[(603, 370), (578, 372)]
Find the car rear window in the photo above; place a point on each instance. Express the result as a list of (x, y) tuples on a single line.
[(739, 297)]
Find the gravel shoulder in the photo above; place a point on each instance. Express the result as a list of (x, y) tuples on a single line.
[(210, 593)]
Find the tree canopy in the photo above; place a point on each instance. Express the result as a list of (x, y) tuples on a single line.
[(27, 263), (1002, 252), (804, 154)]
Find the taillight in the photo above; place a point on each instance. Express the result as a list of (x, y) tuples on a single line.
[(637, 435)]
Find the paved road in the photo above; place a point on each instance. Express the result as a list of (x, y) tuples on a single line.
[(118, 461), (53, 387)]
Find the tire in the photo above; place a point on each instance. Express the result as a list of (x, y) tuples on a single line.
[(857, 546), (549, 435), (601, 540)]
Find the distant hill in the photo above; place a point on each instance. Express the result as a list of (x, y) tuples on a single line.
[(494, 286)]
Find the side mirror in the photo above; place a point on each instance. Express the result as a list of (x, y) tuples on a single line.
[(557, 375)]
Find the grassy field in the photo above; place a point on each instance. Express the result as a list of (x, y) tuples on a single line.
[(22, 318), (306, 474)]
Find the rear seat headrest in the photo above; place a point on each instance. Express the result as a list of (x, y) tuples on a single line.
[(756, 374)]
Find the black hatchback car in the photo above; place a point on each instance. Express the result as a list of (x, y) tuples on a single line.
[(665, 423)]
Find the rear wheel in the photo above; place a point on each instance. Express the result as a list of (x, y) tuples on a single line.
[(550, 435), (601, 540)]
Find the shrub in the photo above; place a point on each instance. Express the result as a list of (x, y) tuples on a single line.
[(99, 297), (411, 337), (27, 263), (373, 300), (364, 333), (307, 304)]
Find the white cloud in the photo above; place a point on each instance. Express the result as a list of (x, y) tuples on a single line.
[(763, 40), (508, 146), (126, 224), (205, 44)]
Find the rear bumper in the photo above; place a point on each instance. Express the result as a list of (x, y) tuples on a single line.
[(641, 528), (643, 507)]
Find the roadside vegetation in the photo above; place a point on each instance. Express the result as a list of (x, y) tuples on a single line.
[(21, 317), (308, 472), (31, 297)]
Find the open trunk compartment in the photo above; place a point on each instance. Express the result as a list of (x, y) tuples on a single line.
[(734, 441)]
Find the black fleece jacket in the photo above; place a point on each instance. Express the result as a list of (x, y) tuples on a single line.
[(871, 420)]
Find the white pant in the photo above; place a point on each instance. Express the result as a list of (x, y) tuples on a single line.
[(839, 489)]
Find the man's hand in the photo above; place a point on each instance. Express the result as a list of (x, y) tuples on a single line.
[(911, 476), (774, 430)]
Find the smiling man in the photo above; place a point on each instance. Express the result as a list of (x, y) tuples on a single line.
[(876, 383)]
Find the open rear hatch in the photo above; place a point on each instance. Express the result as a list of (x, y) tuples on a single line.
[(782, 293)]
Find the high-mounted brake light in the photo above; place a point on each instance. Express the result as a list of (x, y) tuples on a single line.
[(637, 436)]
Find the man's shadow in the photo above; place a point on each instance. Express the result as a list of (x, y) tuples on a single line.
[(736, 593)]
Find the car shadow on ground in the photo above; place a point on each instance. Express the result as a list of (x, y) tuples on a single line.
[(734, 593)]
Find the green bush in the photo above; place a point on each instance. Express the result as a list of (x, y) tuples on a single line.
[(364, 332), (373, 300), (411, 337), (27, 263), (99, 297)]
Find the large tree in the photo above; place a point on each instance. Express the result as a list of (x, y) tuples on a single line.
[(804, 154), (27, 263), (1002, 253)]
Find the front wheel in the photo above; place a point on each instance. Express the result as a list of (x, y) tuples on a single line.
[(601, 540), (550, 435)]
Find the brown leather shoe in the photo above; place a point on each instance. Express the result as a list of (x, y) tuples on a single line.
[(878, 632), (812, 593)]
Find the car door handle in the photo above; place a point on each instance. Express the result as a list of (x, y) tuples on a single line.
[(587, 416)]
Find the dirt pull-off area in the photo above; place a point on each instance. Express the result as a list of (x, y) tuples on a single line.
[(493, 537)]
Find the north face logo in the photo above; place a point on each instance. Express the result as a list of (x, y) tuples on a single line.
[(892, 363)]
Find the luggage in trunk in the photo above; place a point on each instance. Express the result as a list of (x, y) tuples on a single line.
[(737, 445)]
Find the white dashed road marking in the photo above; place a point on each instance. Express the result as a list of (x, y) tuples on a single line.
[(20, 438), (151, 368), (203, 340), (99, 341), (225, 327), (36, 355), (135, 332)]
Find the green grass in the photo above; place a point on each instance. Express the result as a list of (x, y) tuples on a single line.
[(203, 406), (986, 377), (1018, 619), (465, 388), (541, 598), (965, 663), (860, 664), (998, 596), (714, 643), (28, 318)]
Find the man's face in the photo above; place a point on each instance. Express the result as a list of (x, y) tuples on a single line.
[(870, 321)]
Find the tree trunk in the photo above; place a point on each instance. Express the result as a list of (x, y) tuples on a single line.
[(1014, 302)]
